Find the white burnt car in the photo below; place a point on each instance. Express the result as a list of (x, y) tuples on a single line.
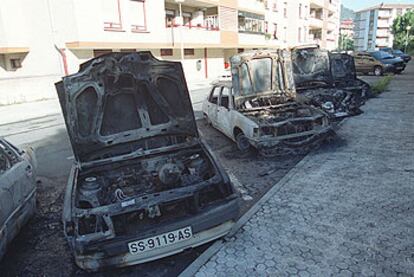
[(17, 191), (144, 186), (258, 107)]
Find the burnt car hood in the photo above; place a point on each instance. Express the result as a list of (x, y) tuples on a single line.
[(118, 99), (256, 74), (310, 65), (342, 67)]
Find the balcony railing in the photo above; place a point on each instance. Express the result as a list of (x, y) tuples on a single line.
[(210, 23)]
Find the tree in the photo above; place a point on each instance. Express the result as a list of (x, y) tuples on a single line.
[(399, 30), (345, 42)]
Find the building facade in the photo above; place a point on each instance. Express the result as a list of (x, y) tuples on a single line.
[(347, 28), (373, 26), (42, 40)]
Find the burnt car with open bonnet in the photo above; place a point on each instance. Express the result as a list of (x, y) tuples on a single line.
[(259, 109), (144, 186), (328, 81)]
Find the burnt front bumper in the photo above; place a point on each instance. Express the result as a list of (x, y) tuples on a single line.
[(292, 143), (210, 224)]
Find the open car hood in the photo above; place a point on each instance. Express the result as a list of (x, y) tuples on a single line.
[(310, 65), (262, 73), (342, 67), (118, 99)]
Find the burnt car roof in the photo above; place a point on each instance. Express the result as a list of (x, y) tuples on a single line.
[(120, 98)]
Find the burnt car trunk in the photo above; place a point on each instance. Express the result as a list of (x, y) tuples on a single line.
[(144, 185), (328, 81)]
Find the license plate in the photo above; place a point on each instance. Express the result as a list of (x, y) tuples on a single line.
[(169, 238)]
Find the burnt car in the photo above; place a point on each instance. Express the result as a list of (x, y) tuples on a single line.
[(258, 108), (328, 81), (144, 185), (17, 191)]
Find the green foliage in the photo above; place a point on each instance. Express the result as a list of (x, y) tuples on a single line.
[(346, 43), (381, 85), (399, 30)]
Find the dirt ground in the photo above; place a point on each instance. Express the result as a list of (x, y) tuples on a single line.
[(41, 250)]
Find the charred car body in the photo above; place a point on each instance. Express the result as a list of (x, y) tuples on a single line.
[(144, 186), (328, 80), (258, 108), (17, 191)]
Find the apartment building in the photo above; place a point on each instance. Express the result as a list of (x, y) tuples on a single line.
[(347, 28), (373, 25), (42, 40), (324, 22)]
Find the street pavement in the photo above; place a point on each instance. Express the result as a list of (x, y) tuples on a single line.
[(346, 210)]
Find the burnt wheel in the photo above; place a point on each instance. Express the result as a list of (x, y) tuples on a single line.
[(242, 143), (378, 71)]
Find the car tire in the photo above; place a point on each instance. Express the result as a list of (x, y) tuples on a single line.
[(242, 143), (378, 71)]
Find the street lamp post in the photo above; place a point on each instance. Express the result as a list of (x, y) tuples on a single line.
[(408, 36), (181, 30)]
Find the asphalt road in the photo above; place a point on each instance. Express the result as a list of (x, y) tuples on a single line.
[(40, 249)]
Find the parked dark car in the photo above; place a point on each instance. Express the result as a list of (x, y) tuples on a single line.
[(390, 63), (17, 191), (328, 81), (397, 53), (144, 185)]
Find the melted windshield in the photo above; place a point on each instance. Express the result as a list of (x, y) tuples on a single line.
[(256, 76)]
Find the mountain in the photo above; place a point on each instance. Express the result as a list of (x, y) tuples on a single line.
[(347, 13)]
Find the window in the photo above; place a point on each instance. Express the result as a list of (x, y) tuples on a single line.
[(215, 95), (169, 18), (275, 31), (4, 162), (112, 15), (166, 52), (100, 52), (251, 23), (15, 63), (189, 52), (299, 34), (266, 24), (187, 19), (138, 16), (240, 50), (275, 6), (300, 10), (225, 97), (285, 9)]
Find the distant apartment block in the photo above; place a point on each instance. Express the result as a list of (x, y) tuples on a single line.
[(373, 25), (42, 40), (347, 28)]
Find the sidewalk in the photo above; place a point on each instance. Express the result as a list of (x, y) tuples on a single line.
[(344, 210)]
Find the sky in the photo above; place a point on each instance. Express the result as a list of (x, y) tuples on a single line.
[(362, 4)]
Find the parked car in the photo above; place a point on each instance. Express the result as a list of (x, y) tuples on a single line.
[(258, 107), (144, 185), (390, 63), (17, 191), (397, 53), (365, 64), (328, 81)]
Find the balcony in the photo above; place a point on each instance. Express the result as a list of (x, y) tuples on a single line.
[(254, 6), (315, 23), (317, 3)]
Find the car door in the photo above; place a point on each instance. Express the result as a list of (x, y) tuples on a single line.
[(359, 66), (212, 105), (16, 180), (224, 111)]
